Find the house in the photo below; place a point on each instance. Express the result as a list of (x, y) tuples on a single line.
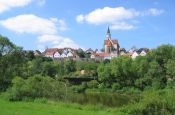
[(134, 54), (57, 53), (122, 51), (132, 50), (140, 52), (144, 51), (63, 55), (89, 51), (49, 52), (70, 54), (37, 53)]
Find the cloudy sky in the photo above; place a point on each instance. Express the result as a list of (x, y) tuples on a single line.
[(37, 24)]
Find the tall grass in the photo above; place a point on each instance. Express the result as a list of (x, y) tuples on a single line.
[(153, 102)]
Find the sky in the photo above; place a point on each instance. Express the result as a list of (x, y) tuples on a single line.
[(40, 24)]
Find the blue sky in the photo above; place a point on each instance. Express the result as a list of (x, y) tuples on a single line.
[(37, 24)]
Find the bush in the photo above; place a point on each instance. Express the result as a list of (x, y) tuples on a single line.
[(79, 88), (92, 84), (40, 100), (152, 103), (35, 87), (116, 86)]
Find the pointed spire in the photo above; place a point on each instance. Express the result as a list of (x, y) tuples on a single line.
[(108, 31), (108, 34)]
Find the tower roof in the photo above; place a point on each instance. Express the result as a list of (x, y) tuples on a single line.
[(108, 31), (108, 34)]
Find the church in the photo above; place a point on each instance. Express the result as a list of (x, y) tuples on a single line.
[(111, 46)]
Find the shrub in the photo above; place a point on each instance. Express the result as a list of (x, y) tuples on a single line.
[(152, 103), (35, 87), (40, 100), (92, 84), (116, 86)]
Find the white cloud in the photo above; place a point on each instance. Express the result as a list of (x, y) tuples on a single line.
[(49, 38), (41, 2), (46, 29), (8, 4), (108, 15), (80, 18), (62, 25), (29, 23), (57, 41), (154, 12), (122, 26), (118, 17)]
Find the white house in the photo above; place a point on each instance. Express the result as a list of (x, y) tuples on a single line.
[(134, 55), (63, 55), (140, 52), (56, 55), (70, 54), (143, 53)]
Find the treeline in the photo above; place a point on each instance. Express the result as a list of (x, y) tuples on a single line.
[(18, 68), (155, 70)]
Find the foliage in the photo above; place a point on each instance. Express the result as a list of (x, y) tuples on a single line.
[(152, 103), (35, 87), (43, 78)]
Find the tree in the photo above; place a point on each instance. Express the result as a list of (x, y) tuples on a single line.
[(69, 66), (12, 62), (162, 54), (123, 70), (104, 75), (49, 69), (6, 46), (81, 53), (170, 69)]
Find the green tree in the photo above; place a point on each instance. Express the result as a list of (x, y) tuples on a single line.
[(170, 73), (69, 66), (6, 46)]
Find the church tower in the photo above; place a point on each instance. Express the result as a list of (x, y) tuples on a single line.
[(110, 45), (108, 34)]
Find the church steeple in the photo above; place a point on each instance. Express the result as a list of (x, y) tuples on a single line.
[(108, 34)]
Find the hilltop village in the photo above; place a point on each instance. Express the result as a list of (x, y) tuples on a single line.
[(111, 48)]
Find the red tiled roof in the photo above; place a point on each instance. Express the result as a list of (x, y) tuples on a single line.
[(50, 51), (108, 42)]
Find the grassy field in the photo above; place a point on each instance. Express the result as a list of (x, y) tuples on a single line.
[(50, 108), (161, 102)]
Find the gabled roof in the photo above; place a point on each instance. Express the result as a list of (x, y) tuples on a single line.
[(50, 51), (89, 51), (109, 42), (122, 49), (142, 49), (37, 51)]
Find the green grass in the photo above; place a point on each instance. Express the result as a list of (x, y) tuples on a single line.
[(160, 102), (50, 108)]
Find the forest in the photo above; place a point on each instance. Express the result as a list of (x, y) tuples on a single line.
[(149, 80)]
